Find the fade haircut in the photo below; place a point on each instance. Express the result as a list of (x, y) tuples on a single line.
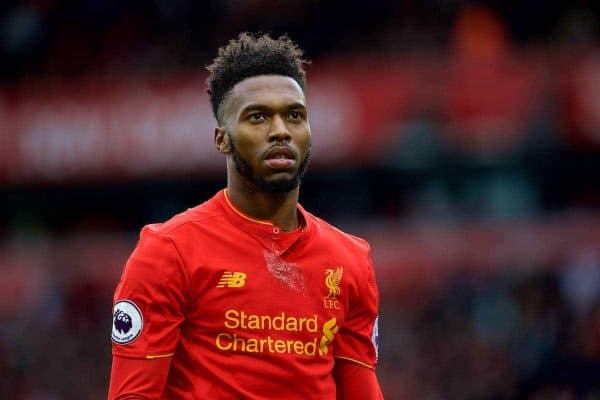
[(251, 55)]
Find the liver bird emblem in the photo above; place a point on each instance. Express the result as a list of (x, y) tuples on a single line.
[(332, 280)]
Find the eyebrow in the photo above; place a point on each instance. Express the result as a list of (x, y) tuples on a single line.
[(262, 107)]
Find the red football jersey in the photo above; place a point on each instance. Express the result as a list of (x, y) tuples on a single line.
[(243, 309)]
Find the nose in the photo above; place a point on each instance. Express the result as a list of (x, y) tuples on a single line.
[(279, 131)]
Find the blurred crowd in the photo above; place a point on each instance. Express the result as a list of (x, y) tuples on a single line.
[(68, 38), (528, 334), (57, 348), (490, 313)]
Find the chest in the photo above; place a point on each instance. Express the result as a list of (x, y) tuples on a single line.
[(266, 284)]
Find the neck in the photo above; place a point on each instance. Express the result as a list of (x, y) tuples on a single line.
[(278, 208)]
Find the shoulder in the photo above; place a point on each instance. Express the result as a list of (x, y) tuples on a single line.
[(174, 241), (350, 252), (186, 222), (330, 233)]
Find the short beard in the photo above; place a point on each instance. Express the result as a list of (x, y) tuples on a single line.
[(276, 186)]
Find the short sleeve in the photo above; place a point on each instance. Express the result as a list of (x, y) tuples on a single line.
[(149, 302), (358, 337)]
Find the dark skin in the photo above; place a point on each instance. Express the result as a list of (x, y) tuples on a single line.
[(263, 114)]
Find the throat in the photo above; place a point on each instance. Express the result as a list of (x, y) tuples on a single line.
[(281, 209)]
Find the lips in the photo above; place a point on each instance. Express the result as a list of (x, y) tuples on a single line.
[(281, 153), (280, 157)]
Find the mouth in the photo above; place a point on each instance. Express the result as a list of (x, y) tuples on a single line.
[(280, 157)]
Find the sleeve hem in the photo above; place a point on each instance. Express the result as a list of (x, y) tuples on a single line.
[(356, 361), (154, 356), (143, 356)]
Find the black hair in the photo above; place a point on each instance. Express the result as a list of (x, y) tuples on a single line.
[(251, 55)]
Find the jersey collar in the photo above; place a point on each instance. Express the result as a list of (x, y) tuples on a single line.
[(258, 226)]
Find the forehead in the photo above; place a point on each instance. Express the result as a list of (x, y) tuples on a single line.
[(266, 90)]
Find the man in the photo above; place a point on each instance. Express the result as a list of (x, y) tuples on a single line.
[(249, 296)]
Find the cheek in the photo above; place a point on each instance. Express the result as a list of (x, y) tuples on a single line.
[(246, 143), (242, 137), (304, 137)]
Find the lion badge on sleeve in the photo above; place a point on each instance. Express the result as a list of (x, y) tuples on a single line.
[(127, 322)]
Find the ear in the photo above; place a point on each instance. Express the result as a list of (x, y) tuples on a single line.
[(222, 140)]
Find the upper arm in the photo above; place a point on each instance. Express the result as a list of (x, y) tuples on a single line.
[(358, 337), (149, 307)]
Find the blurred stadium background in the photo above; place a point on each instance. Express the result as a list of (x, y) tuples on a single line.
[(461, 138)]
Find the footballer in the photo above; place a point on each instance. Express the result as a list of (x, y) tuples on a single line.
[(248, 295)]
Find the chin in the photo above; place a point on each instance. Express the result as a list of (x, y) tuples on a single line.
[(278, 185)]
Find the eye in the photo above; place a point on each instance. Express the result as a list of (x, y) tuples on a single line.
[(256, 117), (295, 115)]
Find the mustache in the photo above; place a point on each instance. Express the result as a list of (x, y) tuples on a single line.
[(281, 148)]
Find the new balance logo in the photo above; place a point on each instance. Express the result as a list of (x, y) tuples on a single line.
[(232, 279)]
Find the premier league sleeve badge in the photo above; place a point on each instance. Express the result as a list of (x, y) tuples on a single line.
[(127, 322)]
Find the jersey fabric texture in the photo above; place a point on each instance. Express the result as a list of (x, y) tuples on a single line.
[(244, 310)]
